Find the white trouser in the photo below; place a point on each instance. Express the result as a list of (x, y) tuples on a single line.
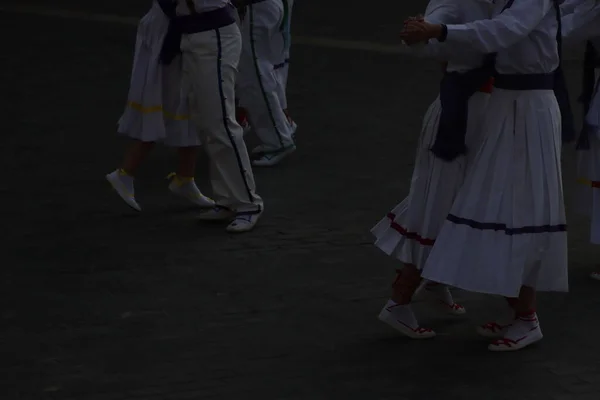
[(210, 61), (283, 71), (263, 49)]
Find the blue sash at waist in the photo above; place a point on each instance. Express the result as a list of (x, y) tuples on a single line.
[(189, 24), (554, 81), (455, 91)]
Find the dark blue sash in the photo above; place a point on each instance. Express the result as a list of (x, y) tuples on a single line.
[(242, 6), (525, 81), (189, 24), (455, 91)]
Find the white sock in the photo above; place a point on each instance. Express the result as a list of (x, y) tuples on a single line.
[(522, 326), (402, 312)]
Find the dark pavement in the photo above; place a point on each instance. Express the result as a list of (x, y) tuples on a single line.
[(99, 303)]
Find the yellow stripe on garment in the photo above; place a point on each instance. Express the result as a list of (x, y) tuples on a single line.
[(156, 109)]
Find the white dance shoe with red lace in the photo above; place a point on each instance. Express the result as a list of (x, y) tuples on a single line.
[(442, 297), (524, 331), (401, 318)]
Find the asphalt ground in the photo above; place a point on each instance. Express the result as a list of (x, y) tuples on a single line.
[(100, 303)]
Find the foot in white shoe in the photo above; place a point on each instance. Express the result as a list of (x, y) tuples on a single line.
[(217, 213), (595, 275), (271, 158), (244, 221), (523, 332), (402, 319), (186, 188), (494, 330), (442, 296), (122, 183)]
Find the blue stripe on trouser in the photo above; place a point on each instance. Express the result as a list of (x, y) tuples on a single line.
[(224, 115)]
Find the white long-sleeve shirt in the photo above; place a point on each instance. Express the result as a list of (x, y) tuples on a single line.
[(200, 5), (524, 36), (454, 12)]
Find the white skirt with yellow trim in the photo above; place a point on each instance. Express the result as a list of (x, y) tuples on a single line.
[(157, 104)]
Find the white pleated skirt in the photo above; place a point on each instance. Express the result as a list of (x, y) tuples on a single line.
[(408, 232), (507, 227), (157, 104)]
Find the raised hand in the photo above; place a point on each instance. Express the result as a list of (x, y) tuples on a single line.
[(418, 17), (419, 31)]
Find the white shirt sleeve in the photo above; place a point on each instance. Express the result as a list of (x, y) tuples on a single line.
[(504, 30), (439, 12), (583, 23), (443, 12)]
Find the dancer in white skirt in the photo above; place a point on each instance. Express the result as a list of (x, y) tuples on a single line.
[(408, 232), (157, 110), (211, 46), (581, 22), (263, 50), (506, 232)]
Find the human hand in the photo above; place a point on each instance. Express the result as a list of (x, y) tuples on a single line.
[(420, 31), (418, 17)]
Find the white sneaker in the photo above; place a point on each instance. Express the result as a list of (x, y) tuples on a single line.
[(522, 333), (122, 183), (271, 158), (402, 319), (595, 275), (495, 330), (186, 188), (442, 297), (244, 221), (217, 213)]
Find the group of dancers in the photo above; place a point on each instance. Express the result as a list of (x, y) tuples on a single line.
[(204, 73), (485, 212)]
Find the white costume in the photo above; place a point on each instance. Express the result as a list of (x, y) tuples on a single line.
[(282, 69), (581, 22), (507, 226), (210, 53), (259, 84), (408, 232), (157, 104)]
